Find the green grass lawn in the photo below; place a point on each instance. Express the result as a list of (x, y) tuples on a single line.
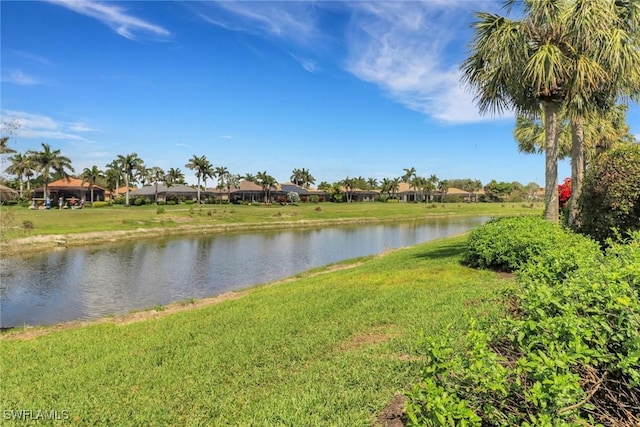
[(324, 349), (16, 221)]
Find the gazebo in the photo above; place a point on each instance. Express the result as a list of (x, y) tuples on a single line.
[(7, 194)]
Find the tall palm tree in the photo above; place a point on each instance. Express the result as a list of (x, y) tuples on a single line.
[(297, 177), (409, 174), (113, 175), (395, 186), (174, 176), (207, 172), (143, 176), (129, 164), (416, 182), (46, 160), (221, 173), (571, 55), (349, 185), (156, 175), (385, 186), (21, 167), (372, 183), (307, 178), (200, 166), (428, 186), (249, 177), (91, 176), (443, 187), (266, 181)]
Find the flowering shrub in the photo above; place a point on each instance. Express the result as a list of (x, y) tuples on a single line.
[(564, 192)]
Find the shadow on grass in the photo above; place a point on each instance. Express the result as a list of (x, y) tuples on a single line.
[(448, 251)]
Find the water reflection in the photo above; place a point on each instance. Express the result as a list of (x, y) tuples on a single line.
[(84, 283)]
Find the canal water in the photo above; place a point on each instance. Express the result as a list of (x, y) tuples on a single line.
[(92, 282)]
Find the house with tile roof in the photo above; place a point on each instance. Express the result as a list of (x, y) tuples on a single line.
[(69, 188)]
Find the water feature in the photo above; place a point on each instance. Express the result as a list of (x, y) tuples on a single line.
[(91, 282)]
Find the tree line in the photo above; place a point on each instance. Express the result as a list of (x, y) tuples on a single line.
[(40, 167)]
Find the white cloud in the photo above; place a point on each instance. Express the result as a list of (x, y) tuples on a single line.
[(18, 77), (292, 21), (80, 127), (40, 60), (42, 127), (115, 17), (225, 137), (402, 48)]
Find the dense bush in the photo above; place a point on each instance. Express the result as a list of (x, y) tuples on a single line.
[(568, 353), (507, 243), (99, 204), (610, 200)]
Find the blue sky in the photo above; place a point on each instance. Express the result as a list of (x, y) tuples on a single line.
[(342, 89)]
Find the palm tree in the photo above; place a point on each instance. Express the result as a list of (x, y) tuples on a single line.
[(571, 55), (409, 174), (297, 177), (415, 182), (307, 178), (21, 167), (142, 176), (174, 176), (372, 183), (129, 164), (232, 181), (249, 177), (443, 187), (349, 185), (46, 160), (385, 186), (428, 186), (266, 181), (221, 173), (91, 175), (156, 175), (395, 186), (200, 165)]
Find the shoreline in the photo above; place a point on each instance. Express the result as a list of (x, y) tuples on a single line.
[(46, 242)]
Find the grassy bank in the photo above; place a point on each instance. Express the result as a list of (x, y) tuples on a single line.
[(329, 348), (20, 225)]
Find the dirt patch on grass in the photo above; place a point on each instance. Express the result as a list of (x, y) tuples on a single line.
[(393, 414), (374, 336)]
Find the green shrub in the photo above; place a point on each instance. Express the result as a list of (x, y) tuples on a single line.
[(569, 353), (140, 201), (610, 200), (314, 198), (160, 210), (506, 243), (99, 204)]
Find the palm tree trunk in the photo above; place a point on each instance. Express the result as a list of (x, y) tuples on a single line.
[(126, 189), (551, 161), (198, 190), (577, 170)]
